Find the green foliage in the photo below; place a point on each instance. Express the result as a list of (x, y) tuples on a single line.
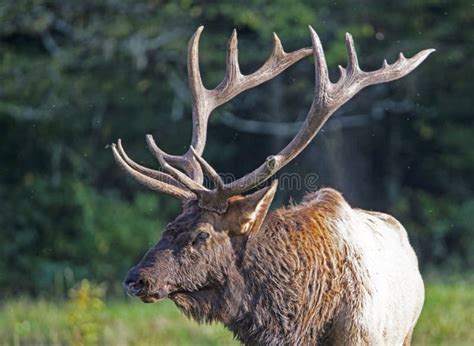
[(446, 320), (85, 318), (70, 231), (438, 227)]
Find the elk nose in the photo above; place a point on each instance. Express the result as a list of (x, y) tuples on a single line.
[(134, 284)]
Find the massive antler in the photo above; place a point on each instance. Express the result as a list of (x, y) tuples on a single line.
[(175, 182), (234, 83), (327, 99)]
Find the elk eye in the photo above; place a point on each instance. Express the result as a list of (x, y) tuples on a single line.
[(203, 235)]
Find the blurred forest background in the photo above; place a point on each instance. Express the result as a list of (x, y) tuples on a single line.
[(77, 75)]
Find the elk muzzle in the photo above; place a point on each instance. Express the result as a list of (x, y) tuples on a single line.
[(138, 283)]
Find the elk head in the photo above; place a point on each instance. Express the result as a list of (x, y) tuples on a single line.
[(202, 249)]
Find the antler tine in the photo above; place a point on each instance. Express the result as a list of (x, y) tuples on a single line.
[(216, 179), (148, 181), (194, 73), (235, 83), (184, 162), (166, 178), (178, 175), (321, 69), (352, 62), (202, 100), (278, 50), (232, 64)]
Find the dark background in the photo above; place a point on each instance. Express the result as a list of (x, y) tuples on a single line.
[(77, 75)]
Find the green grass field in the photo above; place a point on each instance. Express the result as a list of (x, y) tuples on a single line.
[(447, 319)]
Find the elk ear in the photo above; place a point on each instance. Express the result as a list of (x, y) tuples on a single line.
[(253, 208)]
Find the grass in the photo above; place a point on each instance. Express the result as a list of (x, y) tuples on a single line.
[(448, 315), (447, 319), (24, 322)]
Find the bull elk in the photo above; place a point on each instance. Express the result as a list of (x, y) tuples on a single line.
[(312, 273)]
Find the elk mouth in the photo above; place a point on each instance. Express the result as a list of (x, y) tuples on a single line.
[(164, 292), (168, 291), (181, 293), (159, 294)]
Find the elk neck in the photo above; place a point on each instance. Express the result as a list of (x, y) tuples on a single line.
[(297, 267)]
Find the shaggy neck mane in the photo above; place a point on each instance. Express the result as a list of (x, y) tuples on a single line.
[(295, 277), (298, 272)]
